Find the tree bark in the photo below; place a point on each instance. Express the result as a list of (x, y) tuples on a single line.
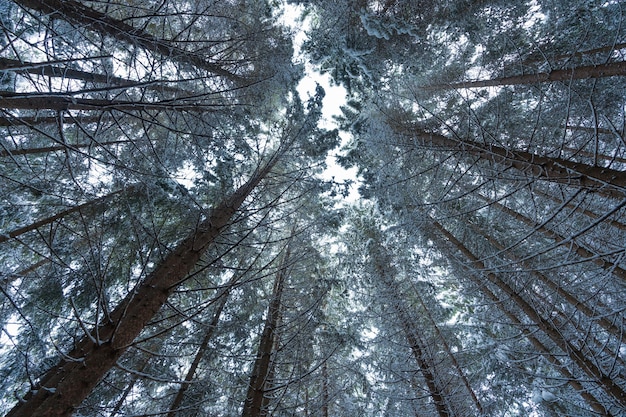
[(589, 398), (598, 317), (63, 102), (253, 404), (603, 181), (180, 395), (385, 271), (609, 48), (79, 14), (66, 385), (48, 149), (577, 208), (33, 226), (51, 70), (455, 363), (325, 394), (30, 121), (561, 240), (586, 364), (609, 69)]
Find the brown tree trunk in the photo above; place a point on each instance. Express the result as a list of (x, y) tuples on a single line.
[(455, 363), (78, 13), (386, 272), (589, 398), (33, 226), (586, 364), (66, 385), (180, 395), (38, 120), (609, 69), (597, 156), (561, 240), (578, 54), (577, 208), (51, 70), (604, 181), (63, 102), (253, 404), (325, 395), (48, 149), (581, 306)]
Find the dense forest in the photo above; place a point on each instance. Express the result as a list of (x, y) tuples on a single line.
[(172, 242)]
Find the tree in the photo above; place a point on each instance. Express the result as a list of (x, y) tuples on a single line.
[(170, 243)]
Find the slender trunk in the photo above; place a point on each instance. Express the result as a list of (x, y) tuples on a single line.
[(271, 375), (253, 404), (579, 209), (425, 368), (595, 156), (48, 149), (385, 271), (455, 363), (325, 396), (586, 364), (78, 13), (583, 334), (64, 102), (589, 398), (609, 69), (51, 70), (66, 385), (598, 317), (129, 388), (578, 54), (180, 395), (561, 240), (33, 226), (604, 181), (29, 121)]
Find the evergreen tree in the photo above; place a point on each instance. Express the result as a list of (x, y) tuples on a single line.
[(169, 246)]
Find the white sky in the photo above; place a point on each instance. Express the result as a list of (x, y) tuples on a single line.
[(334, 99)]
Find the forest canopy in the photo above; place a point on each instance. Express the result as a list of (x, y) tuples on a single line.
[(172, 242)]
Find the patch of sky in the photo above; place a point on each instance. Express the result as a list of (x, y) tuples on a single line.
[(335, 98)]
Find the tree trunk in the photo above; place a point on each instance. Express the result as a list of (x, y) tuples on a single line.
[(325, 395), (51, 70), (599, 317), (180, 395), (589, 398), (64, 102), (48, 149), (253, 404), (82, 15), (33, 226), (586, 364), (385, 271), (578, 54), (66, 385), (609, 69), (595, 156), (455, 363), (48, 69), (561, 240), (577, 208), (603, 181), (30, 121)]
